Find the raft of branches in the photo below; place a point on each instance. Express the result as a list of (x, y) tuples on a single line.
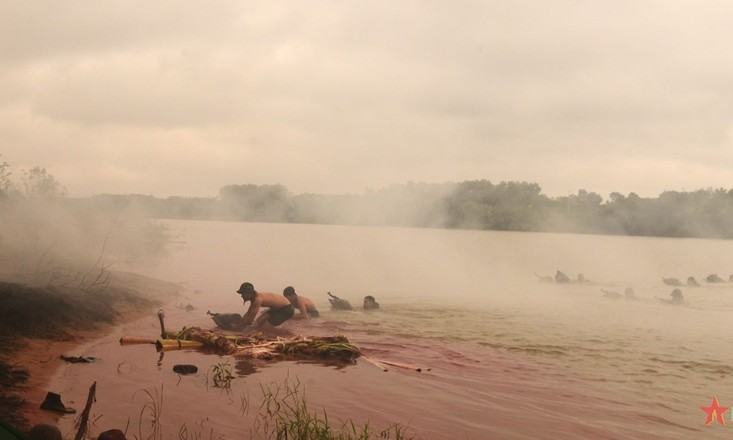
[(257, 346)]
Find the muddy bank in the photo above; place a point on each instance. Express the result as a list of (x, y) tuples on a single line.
[(38, 322)]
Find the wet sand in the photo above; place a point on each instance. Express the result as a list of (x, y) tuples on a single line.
[(40, 358), (67, 319)]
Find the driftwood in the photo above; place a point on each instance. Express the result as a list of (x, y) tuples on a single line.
[(375, 363), (82, 424), (404, 366)]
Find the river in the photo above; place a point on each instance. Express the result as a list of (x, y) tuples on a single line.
[(509, 356)]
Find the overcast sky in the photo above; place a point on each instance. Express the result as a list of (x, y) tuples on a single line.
[(181, 97)]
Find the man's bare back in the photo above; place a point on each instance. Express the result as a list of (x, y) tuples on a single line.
[(278, 307), (304, 305)]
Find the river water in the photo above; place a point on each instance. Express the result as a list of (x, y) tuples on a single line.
[(509, 356)]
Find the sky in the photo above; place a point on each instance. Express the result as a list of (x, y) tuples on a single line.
[(181, 98)]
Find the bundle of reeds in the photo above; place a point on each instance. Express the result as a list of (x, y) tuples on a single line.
[(337, 347), (258, 346)]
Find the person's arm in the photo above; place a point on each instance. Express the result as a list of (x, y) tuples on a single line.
[(303, 310), (249, 317)]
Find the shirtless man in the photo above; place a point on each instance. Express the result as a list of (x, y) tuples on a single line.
[(305, 305), (278, 310)]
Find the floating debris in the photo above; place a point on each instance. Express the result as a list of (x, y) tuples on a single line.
[(258, 346), (78, 359)]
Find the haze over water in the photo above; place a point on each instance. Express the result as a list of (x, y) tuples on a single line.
[(510, 357)]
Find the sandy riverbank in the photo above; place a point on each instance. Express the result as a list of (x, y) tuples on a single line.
[(40, 322)]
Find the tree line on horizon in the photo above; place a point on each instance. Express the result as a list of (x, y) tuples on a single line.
[(478, 205)]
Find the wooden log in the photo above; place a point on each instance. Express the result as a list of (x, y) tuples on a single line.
[(82, 424), (161, 316), (177, 344), (405, 366), (375, 363), (125, 340)]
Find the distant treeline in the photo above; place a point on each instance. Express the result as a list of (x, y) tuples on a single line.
[(506, 206)]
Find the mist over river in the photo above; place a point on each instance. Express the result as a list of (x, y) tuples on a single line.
[(509, 356)]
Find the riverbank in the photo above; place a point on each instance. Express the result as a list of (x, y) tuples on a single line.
[(38, 322)]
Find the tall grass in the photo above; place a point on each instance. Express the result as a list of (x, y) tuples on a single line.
[(284, 414), (152, 410)]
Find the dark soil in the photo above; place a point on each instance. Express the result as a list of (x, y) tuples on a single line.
[(58, 313)]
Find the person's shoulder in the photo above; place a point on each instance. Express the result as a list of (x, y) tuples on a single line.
[(274, 300), (269, 297)]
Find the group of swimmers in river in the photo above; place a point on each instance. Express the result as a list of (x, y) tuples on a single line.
[(692, 282), (629, 294), (676, 296), (561, 278), (279, 308)]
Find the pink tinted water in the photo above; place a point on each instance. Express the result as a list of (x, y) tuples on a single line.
[(509, 357)]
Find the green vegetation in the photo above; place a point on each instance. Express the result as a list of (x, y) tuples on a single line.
[(122, 221), (221, 375), (482, 205), (283, 414)]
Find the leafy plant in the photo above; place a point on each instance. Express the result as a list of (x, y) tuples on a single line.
[(221, 375)]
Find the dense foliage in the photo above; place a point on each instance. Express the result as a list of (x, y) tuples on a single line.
[(479, 204), (506, 206)]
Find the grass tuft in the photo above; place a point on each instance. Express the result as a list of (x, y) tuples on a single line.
[(153, 408), (222, 375), (284, 414)]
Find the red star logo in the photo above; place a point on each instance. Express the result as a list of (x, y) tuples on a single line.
[(715, 411)]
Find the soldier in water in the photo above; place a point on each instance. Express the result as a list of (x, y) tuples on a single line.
[(278, 307), (561, 278), (370, 303), (304, 305), (676, 298)]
